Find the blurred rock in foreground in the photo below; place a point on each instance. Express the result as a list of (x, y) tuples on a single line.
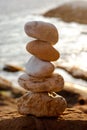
[(75, 11), (5, 84), (7, 88), (71, 119), (12, 68), (75, 71), (74, 117)]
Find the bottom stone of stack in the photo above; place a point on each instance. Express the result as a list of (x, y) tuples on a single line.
[(41, 104)]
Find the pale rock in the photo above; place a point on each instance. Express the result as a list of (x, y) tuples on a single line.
[(39, 68), (48, 84), (42, 50), (41, 104), (42, 30)]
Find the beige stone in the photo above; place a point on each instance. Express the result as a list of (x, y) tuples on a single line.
[(42, 30), (49, 84), (42, 50), (70, 11), (41, 104), (39, 68)]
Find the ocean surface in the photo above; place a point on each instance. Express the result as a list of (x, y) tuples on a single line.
[(14, 14)]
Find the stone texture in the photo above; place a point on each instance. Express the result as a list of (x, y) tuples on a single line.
[(42, 30), (39, 68), (10, 119), (75, 71), (49, 84), (41, 104), (39, 80), (42, 50), (8, 89), (73, 11), (5, 84), (72, 119)]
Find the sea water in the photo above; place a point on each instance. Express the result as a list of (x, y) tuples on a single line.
[(72, 43)]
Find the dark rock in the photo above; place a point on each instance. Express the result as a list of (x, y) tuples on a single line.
[(12, 68)]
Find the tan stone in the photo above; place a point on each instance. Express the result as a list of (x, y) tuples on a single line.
[(73, 11), (49, 84), (39, 68), (41, 104), (42, 50), (42, 30)]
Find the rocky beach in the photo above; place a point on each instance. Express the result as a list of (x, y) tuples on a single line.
[(72, 64)]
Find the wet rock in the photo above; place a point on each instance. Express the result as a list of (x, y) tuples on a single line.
[(12, 68), (75, 11)]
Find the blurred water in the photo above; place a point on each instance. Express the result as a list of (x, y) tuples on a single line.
[(14, 14)]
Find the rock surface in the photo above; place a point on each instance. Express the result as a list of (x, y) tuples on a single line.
[(71, 119), (70, 12), (7, 88), (5, 84), (42, 31), (42, 84), (54, 83), (75, 71), (12, 68), (39, 68), (41, 104), (42, 50)]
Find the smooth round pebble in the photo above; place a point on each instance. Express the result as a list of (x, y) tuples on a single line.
[(54, 83), (42, 30), (41, 104), (39, 68), (42, 50)]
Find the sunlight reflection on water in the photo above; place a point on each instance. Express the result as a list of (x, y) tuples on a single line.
[(72, 41)]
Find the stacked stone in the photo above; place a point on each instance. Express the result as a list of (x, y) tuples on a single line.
[(39, 79)]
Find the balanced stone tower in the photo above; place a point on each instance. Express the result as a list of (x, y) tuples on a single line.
[(39, 79)]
